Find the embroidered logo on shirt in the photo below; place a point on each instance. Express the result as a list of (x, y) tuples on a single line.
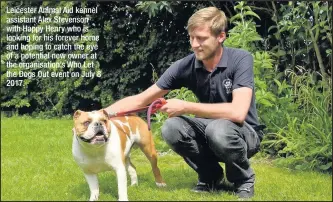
[(227, 84)]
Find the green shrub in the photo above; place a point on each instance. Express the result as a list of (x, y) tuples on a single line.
[(304, 135)]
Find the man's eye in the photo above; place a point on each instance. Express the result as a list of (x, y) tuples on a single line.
[(201, 39)]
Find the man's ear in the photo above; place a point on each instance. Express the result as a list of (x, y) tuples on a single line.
[(77, 114), (221, 37)]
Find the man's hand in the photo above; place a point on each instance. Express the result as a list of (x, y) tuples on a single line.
[(174, 107)]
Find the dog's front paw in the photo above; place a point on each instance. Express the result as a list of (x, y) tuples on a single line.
[(93, 198), (134, 183), (161, 184)]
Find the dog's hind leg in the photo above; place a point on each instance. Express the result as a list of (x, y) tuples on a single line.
[(131, 171), (149, 150)]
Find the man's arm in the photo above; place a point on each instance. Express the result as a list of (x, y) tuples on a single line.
[(235, 111), (136, 101)]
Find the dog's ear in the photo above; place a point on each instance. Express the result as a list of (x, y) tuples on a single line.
[(105, 113), (77, 114), (108, 127)]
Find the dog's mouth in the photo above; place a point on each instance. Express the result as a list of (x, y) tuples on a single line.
[(98, 138)]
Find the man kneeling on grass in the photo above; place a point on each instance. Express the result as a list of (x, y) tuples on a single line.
[(226, 127)]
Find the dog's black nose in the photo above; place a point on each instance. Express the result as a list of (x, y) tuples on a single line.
[(97, 124)]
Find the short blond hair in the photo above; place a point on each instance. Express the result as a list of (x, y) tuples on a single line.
[(214, 16)]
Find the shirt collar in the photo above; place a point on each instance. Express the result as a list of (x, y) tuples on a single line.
[(222, 63)]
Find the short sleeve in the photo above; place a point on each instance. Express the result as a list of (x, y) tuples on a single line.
[(243, 75), (170, 78)]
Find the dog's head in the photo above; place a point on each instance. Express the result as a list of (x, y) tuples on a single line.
[(92, 127)]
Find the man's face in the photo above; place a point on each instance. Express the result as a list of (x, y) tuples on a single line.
[(204, 43)]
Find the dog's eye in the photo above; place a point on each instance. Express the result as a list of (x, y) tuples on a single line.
[(86, 123)]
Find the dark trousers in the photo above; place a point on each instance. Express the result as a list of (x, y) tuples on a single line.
[(205, 142)]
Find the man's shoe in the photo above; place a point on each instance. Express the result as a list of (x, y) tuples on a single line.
[(245, 190), (203, 187)]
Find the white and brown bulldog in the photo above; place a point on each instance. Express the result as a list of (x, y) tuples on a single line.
[(102, 144)]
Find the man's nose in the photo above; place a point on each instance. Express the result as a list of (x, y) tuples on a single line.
[(195, 43)]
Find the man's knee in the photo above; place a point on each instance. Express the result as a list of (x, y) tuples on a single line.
[(171, 130), (223, 140), (220, 131), (175, 131)]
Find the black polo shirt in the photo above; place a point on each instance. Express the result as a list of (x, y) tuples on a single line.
[(234, 70)]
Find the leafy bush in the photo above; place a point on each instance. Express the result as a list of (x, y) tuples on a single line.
[(304, 138), (303, 32), (295, 107)]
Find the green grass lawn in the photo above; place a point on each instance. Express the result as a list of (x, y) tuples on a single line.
[(37, 164)]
